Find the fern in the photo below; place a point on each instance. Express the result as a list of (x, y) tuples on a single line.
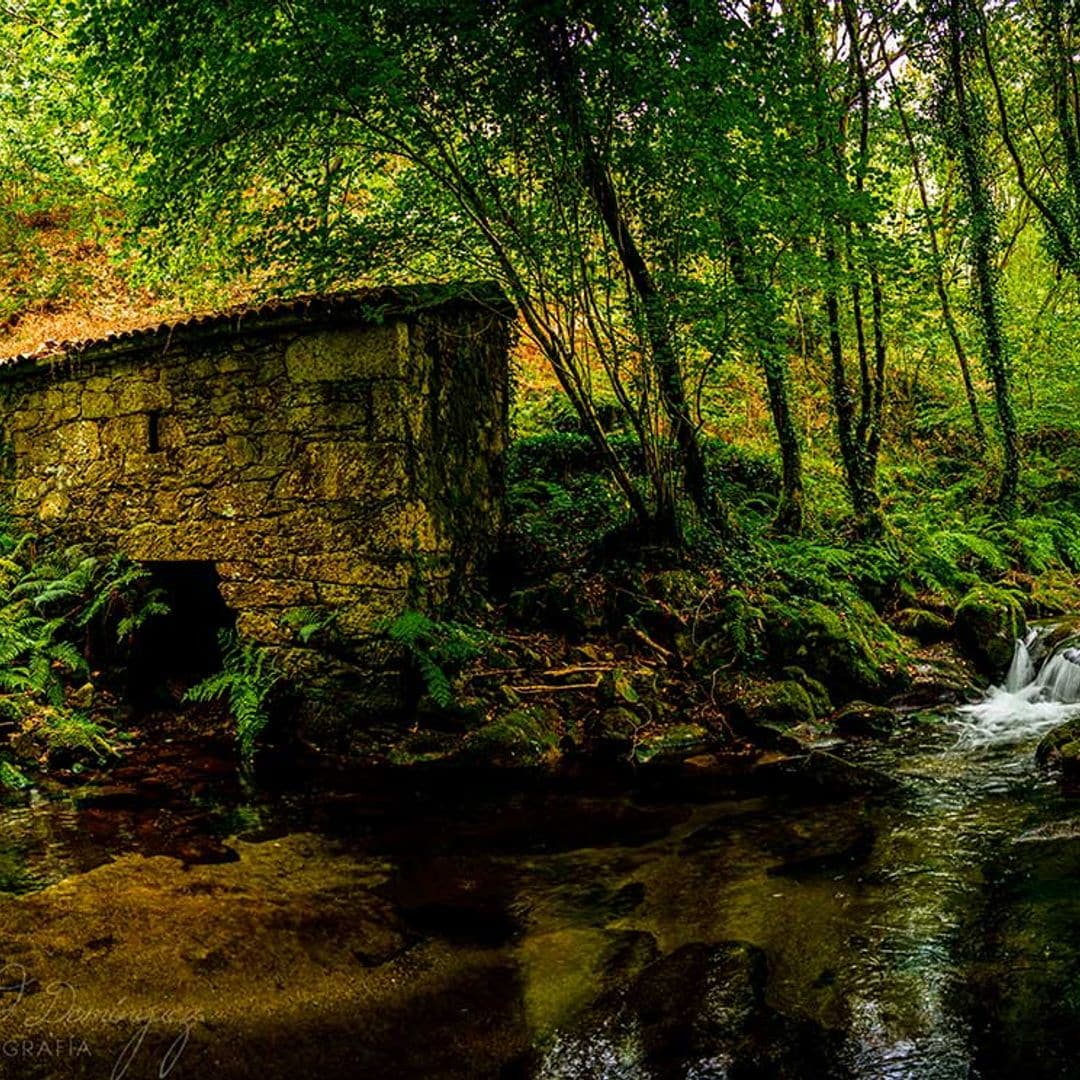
[(307, 623), (247, 679), (439, 650), (71, 730)]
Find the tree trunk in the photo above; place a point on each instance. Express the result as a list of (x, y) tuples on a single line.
[(757, 299), (982, 235), (658, 321)]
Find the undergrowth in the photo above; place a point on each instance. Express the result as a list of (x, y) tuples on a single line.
[(62, 610), (440, 650), (246, 682)]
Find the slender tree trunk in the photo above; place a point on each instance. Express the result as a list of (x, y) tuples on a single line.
[(939, 274), (658, 319), (1052, 219), (863, 500), (852, 423), (982, 236), (758, 301), (877, 401)]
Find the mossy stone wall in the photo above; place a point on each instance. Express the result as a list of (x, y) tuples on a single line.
[(335, 463)]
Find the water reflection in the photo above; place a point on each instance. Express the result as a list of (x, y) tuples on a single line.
[(927, 932)]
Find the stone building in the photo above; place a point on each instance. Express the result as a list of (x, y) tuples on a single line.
[(340, 454)]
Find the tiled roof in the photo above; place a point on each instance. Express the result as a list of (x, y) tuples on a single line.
[(366, 305)]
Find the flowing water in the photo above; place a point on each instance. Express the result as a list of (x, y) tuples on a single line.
[(406, 926)]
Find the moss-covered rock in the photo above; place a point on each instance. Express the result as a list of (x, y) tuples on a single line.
[(527, 735), (784, 702), (851, 651), (613, 732), (925, 626), (1060, 748), (672, 744), (774, 713), (815, 689), (988, 621), (862, 718)]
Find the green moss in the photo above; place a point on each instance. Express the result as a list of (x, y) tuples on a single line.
[(988, 621), (785, 703), (679, 741), (817, 691), (924, 626), (1061, 746), (851, 651), (528, 735), (774, 714)]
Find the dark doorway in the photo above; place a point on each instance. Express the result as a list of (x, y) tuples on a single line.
[(175, 651)]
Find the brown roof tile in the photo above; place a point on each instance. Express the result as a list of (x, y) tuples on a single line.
[(366, 305)]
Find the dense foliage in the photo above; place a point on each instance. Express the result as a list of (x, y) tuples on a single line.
[(853, 198), (797, 281)]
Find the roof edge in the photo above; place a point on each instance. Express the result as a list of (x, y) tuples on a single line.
[(374, 305)]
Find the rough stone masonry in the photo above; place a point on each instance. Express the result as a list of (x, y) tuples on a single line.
[(341, 454)]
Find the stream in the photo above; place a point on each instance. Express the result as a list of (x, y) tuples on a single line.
[(406, 926)]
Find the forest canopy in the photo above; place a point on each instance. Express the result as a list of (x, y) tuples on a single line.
[(840, 235)]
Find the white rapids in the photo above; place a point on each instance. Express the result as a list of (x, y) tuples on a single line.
[(1034, 699)]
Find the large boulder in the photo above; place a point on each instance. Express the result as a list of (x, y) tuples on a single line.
[(988, 621), (851, 650), (773, 714)]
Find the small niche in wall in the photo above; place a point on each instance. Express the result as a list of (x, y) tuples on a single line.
[(153, 431)]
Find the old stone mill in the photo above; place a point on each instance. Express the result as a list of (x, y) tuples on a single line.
[(341, 453)]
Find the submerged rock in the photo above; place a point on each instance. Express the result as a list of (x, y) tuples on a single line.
[(699, 1011), (204, 960), (826, 773), (988, 621), (835, 845)]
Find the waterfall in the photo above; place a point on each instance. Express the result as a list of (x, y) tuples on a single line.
[(1022, 668), (1035, 697), (1059, 677)]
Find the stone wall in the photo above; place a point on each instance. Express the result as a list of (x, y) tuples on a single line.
[(343, 455)]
